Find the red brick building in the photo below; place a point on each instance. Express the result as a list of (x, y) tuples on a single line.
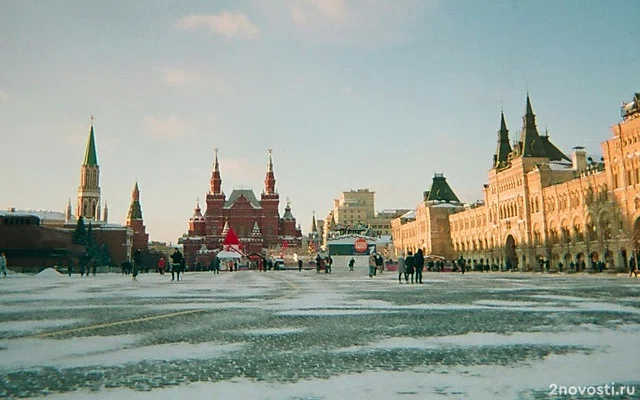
[(256, 222)]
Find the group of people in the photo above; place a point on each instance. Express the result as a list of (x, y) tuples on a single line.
[(321, 263), (410, 265), (376, 264)]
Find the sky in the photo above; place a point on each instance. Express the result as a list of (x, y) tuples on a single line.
[(348, 93)]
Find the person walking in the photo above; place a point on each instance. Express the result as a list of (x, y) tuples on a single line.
[(402, 267), (462, 265), (352, 262), (299, 264), (318, 262), (176, 261), (632, 267), (137, 263), (3, 264), (372, 264), (409, 267), (328, 261), (418, 262), (379, 263), (161, 265)]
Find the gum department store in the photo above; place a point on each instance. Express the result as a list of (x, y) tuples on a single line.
[(540, 204)]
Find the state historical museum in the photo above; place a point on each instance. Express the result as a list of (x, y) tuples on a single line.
[(257, 223)]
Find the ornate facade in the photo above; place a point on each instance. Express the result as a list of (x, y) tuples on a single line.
[(541, 204), (256, 222)]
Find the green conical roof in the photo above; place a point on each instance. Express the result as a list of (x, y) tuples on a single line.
[(135, 211), (504, 148), (441, 191), (529, 138), (554, 153), (90, 155)]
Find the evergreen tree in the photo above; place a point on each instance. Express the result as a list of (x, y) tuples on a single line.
[(90, 246), (104, 255), (80, 234)]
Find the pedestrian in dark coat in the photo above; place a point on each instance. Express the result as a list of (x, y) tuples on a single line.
[(418, 261), (379, 264), (299, 264), (176, 263), (632, 267), (409, 263), (216, 265), (137, 262)]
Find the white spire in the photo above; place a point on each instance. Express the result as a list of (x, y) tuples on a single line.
[(256, 230), (105, 213), (225, 229), (68, 213)]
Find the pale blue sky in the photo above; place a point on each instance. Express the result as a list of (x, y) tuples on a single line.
[(349, 94)]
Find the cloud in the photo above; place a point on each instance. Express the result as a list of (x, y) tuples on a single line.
[(225, 24), (180, 77), (209, 80), (331, 9), (239, 169), (165, 127), (4, 95), (357, 22)]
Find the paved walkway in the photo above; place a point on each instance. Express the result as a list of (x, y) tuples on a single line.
[(290, 334)]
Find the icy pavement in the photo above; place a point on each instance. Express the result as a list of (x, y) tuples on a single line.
[(302, 335)]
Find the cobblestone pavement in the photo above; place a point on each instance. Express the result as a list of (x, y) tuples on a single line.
[(291, 335)]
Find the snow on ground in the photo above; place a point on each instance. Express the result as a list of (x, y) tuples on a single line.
[(49, 273), (35, 326), (102, 351), (302, 335)]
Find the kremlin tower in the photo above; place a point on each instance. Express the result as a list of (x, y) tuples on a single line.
[(136, 223), (88, 205)]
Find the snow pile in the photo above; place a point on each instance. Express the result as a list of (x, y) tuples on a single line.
[(49, 273)]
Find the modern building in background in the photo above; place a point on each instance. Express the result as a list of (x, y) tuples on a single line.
[(354, 213)]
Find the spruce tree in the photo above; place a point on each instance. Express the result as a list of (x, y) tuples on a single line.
[(104, 256), (80, 234), (90, 246)]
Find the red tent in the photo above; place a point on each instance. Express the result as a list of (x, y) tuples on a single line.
[(231, 238)]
